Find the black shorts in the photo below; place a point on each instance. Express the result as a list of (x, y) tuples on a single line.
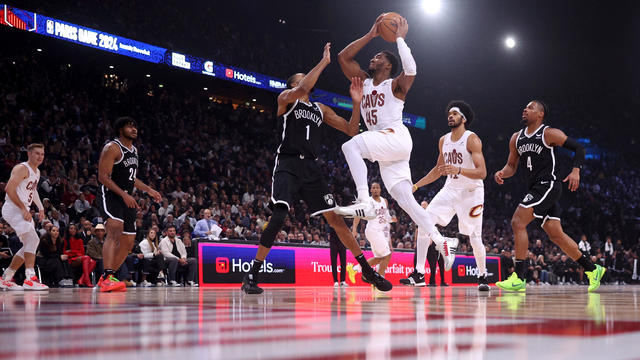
[(543, 198), (112, 206), (299, 176)]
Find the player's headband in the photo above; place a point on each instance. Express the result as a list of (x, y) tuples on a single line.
[(455, 108)]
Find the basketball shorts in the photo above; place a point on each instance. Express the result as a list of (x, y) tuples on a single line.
[(112, 206), (467, 204), (294, 176), (391, 148), (379, 240), (13, 216), (543, 197)]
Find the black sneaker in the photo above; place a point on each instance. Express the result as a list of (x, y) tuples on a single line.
[(432, 284), (483, 284), (377, 280), (414, 279), (250, 285)]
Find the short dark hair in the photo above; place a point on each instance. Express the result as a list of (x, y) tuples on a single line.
[(169, 227), (122, 122), (393, 59), (290, 80), (545, 108), (465, 108)]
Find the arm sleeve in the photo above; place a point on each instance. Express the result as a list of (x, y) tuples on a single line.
[(580, 152), (408, 63)]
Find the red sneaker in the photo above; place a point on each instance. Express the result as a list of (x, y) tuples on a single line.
[(34, 284), (111, 284)]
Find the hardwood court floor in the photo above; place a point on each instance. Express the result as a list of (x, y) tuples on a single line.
[(549, 322)]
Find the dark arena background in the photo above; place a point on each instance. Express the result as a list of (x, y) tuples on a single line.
[(201, 80)]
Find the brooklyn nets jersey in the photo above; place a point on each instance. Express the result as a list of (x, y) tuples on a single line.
[(125, 170), (537, 158), (300, 129)]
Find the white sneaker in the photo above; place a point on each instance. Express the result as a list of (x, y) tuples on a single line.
[(34, 284), (10, 285), (361, 209), (336, 284), (161, 275), (192, 284), (173, 283), (448, 251), (344, 284), (161, 284), (145, 283)]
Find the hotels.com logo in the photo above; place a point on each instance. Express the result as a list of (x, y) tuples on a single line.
[(462, 270), (234, 74), (222, 265)]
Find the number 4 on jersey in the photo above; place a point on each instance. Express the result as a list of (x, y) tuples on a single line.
[(529, 166)]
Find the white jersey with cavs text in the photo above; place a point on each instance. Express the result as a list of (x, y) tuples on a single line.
[(456, 154), (380, 108), (26, 188)]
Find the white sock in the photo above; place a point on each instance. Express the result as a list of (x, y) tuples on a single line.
[(353, 154), (480, 253), (29, 273), (422, 247), (8, 274)]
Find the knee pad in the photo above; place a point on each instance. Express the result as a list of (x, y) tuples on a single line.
[(30, 242), (275, 224)]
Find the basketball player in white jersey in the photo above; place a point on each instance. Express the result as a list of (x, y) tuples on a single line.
[(461, 160), (22, 190), (387, 140), (378, 232)]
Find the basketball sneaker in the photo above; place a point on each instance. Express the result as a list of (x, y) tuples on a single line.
[(414, 279), (250, 285), (483, 284), (351, 272), (513, 283), (111, 284), (594, 277), (447, 249), (360, 209), (10, 285), (377, 280), (34, 284)]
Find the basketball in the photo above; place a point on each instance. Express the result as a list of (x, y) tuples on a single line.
[(388, 26)]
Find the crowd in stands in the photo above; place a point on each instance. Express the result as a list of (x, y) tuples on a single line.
[(212, 160)]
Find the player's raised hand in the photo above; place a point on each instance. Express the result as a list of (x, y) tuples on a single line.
[(374, 29), (355, 90), (326, 55), (574, 180), (403, 28), (498, 177)]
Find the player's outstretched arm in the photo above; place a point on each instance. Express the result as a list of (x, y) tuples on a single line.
[(148, 189), (474, 146), (105, 166), (303, 88), (349, 66), (335, 121), (556, 137), (403, 82), (435, 173), (512, 162)]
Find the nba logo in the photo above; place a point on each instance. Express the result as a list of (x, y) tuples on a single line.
[(50, 26), (229, 73), (222, 265), (462, 271)]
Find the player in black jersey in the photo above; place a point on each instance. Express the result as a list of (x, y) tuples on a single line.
[(117, 172), (297, 173), (533, 148)]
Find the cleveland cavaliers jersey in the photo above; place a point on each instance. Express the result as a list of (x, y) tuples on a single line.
[(537, 158), (26, 188), (125, 170), (380, 108), (455, 153), (300, 130), (381, 222)]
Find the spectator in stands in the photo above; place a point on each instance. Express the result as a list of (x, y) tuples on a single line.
[(506, 264), (565, 271), (81, 207), (86, 232), (94, 247), (206, 227), (153, 263), (52, 261), (608, 246), (584, 245), (538, 249), (175, 255), (74, 249)]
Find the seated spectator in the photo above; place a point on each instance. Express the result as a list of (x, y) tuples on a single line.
[(207, 227), (584, 245), (506, 264), (74, 249), (94, 247), (153, 263), (565, 271), (52, 261), (81, 207), (543, 270), (188, 245), (175, 254), (85, 233)]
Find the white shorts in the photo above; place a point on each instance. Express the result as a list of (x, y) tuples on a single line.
[(379, 240), (13, 215), (466, 204), (391, 148)]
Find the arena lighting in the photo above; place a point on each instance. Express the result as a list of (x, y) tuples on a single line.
[(431, 6), (39, 50), (148, 75), (24, 20), (510, 42), (205, 89), (110, 66)]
